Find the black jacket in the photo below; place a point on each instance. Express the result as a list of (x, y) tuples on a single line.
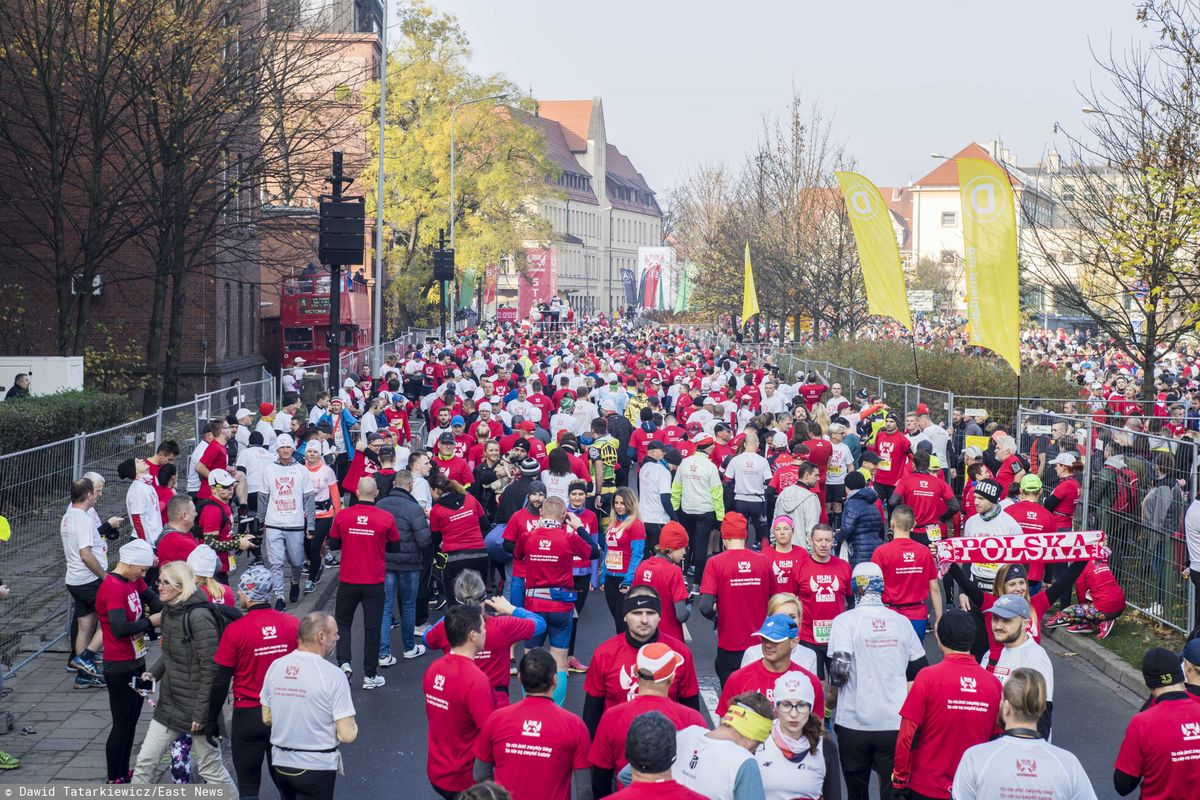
[(415, 535), (620, 429), (513, 499)]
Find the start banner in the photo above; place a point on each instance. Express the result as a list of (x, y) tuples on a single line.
[(1025, 549)]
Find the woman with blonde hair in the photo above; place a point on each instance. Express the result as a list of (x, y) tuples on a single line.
[(204, 562), (624, 548), (789, 604), (821, 417)]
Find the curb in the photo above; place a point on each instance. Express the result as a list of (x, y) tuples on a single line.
[(1101, 658)]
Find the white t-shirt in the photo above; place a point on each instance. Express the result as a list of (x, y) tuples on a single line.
[(253, 461), (1012, 767), (322, 478), (557, 485), (984, 575), (315, 413), (268, 433), (285, 487), (750, 473), (561, 422), (654, 480), (193, 477), (708, 766), (801, 657), (283, 422), (307, 695), (840, 464), (78, 531), (421, 492), (788, 780), (774, 404), (881, 643), (141, 501), (1030, 655)]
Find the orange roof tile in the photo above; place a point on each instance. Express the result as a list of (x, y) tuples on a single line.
[(575, 117), (946, 173)]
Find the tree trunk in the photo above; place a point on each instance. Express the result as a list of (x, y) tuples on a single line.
[(152, 396), (172, 362)]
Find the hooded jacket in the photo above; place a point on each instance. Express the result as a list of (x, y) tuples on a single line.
[(862, 526), (186, 670), (413, 525)]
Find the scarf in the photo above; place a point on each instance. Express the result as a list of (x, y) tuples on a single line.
[(792, 749), (1023, 549)]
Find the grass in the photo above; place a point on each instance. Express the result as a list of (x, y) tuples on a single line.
[(1134, 634)]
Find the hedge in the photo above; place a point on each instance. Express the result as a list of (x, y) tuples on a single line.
[(40, 420)]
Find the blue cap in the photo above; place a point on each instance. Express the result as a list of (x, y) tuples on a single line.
[(457, 420), (1191, 653), (778, 627), (1009, 606)]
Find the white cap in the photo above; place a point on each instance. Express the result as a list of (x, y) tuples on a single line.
[(285, 440), (220, 477), (348, 383), (137, 553), (1066, 459), (242, 413), (298, 360), (794, 686), (973, 451), (203, 561), (484, 406)]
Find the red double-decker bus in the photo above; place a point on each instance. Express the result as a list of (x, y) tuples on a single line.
[(304, 318)]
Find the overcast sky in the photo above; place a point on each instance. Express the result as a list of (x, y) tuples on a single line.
[(688, 81)]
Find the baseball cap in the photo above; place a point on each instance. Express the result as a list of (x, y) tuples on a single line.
[(972, 451), (485, 406), (703, 440), (1031, 483), (794, 686), (242, 413), (220, 477), (137, 553), (777, 628), (1066, 459), (457, 420), (374, 436), (988, 489), (1161, 667), (446, 438), (657, 662), (1009, 606), (721, 427), (528, 425), (1191, 651), (655, 444)]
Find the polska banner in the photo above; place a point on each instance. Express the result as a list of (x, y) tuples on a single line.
[(878, 252), (538, 282), (1023, 549)]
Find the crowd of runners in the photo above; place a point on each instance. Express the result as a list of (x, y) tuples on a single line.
[(670, 475)]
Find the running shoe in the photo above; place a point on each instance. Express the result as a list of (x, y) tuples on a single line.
[(373, 682), (84, 665), (387, 661), (1081, 629), (1105, 628), (1059, 620), (346, 668), (417, 651), (420, 629), (331, 560), (309, 587), (8, 761), (83, 681), (512, 666), (279, 604), (575, 665), (294, 595)]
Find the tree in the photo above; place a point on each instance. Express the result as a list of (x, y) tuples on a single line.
[(500, 162)]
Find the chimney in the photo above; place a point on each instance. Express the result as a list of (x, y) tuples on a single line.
[(1055, 162)]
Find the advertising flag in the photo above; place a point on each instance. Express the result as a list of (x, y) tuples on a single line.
[(749, 296), (466, 290), (990, 253), (877, 249), (656, 277), (629, 284), (683, 295), (490, 279), (538, 282)]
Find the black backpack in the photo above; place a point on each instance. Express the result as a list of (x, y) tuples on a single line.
[(222, 613), (200, 506)]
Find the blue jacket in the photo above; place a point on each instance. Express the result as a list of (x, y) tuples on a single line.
[(348, 421), (862, 526)]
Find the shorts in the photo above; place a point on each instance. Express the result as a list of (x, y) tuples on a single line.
[(835, 493), (84, 596), (558, 629)]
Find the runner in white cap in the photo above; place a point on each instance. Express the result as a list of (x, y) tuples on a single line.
[(287, 511), (797, 761)]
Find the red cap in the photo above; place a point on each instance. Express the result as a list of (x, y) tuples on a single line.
[(527, 425), (266, 409), (673, 536), (658, 661), (922, 408), (734, 526), (694, 427), (703, 440)]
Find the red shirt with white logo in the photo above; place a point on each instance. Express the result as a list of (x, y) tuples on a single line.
[(116, 592), (1008, 473), (1098, 584), (515, 529), (535, 746), (811, 392), (1160, 747), (459, 527), (820, 452), (786, 474), (548, 551), (217, 516), (927, 494), (250, 645), (455, 468), (499, 636), (364, 532), (757, 678), (785, 568), (458, 702), (608, 748), (893, 450), (665, 578), (741, 581), (908, 567), (215, 456), (823, 589), (613, 671), (618, 543), (954, 705), (1033, 518)]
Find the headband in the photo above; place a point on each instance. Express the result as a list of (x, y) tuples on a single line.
[(649, 601), (747, 722), (1016, 571)]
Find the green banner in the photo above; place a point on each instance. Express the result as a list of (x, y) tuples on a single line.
[(466, 291), (683, 297)]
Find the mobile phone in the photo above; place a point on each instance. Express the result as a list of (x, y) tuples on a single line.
[(142, 685)]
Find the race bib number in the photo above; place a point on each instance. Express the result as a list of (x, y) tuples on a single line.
[(934, 532), (821, 628), (835, 469), (614, 561), (139, 646), (886, 466)]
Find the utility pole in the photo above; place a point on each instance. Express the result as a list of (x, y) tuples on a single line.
[(341, 239), (443, 271)]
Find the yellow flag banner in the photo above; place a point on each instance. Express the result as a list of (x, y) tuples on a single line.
[(749, 295), (990, 245), (877, 249)]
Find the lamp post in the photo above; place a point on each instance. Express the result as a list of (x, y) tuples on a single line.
[(377, 316), (454, 111)]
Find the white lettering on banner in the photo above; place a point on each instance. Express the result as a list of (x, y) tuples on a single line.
[(1019, 549)]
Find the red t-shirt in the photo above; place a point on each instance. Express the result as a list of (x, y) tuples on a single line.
[(226, 598), (1160, 747), (165, 493), (664, 790), (250, 645), (823, 591), (455, 468), (548, 551), (215, 456), (535, 746), (666, 579), (1007, 473), (515, 529), (608, 748), (672, 435), (459, 526), (741, 581), (495, 426), (500, 635), (757, 678), (811, 392), (364, 532), (819, 453), (618, 541), (1067, 492), (955, 705), (174, 546), (458, 702), (785, 568), (545, 405), (116, 592), (786, 475), (1033, 518), (908, 567), (927, 495), (893, 450), (210, 519), (613, 671), (1099, 584)]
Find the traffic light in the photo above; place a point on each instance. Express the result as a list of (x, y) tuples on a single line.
[(342, 231)]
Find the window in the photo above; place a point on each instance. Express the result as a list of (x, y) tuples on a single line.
[(949, 256), (949, 219)]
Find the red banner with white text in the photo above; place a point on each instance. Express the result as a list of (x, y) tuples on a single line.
[(539, 281), (1023, 549)]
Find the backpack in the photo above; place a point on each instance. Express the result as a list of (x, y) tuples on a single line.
[(1126, 501), (222, 613), (200, 506)]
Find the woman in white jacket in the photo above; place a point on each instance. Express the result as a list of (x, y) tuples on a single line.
[(801, 503)]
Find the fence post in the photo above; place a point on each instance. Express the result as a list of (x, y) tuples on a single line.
[(1020, 428), (950, 410), (157, 428), (879, 382), (1191, 607), (78, 455), (1087, 477)]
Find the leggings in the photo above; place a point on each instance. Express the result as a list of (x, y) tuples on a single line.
[(582, 587), (727, 663), (251, 743), (1087, 613), (616, 600), (125, 706), (312, 547), (310, 784), (699, 528), (755, 512)]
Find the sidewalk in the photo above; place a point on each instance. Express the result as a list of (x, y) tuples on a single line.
[(70, 726)]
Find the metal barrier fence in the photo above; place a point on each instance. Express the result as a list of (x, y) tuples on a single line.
[(349, 363), (35, 489)]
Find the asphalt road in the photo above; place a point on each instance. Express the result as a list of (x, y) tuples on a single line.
[(1090, 713)]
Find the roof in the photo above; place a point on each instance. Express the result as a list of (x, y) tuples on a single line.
[(560, 153), (619, 171), (899, 201), (946, 173), (575, 117)]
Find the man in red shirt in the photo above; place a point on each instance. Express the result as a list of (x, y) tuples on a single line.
[(952, 706), (778, 636), (656, 667), (893, 447), (458, 702), (932, 502), (812, 390), (534, 748), (739, 580), (363, 533), (650, 749), (824, 587), (1033, 517), (909, 574), (1011, 469), (177, 541), (1160, 743), (248, 647), (215, 457), (542, 402), (449, 463), (486, 420)]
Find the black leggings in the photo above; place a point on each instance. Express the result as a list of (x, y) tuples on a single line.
[(727, 663), (349, 597), (312, 547), (582, 587), (310, 784), (864, 752), (125, 706), (616, 601), (699, 528), (251, 742), (755, 512)]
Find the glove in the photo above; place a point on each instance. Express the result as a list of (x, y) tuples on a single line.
[(212, 734)]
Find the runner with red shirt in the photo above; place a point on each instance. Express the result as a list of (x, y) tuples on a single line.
[(1101, 601), (931, 500), (824, 587), (812, 390), (739, 581), (893, 447), (456, 521), (664, 575), (1062, 501), (910, 574), (1033, 517), (778, 636), (786, 559), (177, 540), (651, 749), (1159, 749)]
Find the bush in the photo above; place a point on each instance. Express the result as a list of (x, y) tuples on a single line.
[(40, 420)]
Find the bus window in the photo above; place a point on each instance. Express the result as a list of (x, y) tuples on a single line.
[(298, 338)]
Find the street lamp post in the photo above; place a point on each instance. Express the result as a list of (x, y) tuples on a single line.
[(377, 321), (454, 111)]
